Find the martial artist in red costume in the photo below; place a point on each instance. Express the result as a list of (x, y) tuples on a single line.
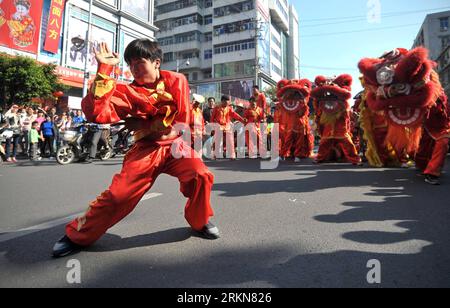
[(331, 97), (293, 117), (151, 106), (253, 116), (222, 115)]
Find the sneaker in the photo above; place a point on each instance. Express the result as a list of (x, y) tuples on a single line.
[(14, 160), (210, 232), (9, 160), (432, 180), (64, 247), (297, 160)]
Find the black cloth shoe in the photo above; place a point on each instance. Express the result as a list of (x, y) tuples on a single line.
[(210, 232), (432, 180), (64, 247)]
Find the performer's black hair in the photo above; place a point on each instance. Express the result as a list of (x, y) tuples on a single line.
[(143, 49)]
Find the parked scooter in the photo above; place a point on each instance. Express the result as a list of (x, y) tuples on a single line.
[(78, 145)]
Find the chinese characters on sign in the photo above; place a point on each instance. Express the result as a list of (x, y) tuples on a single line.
[(54, 26)]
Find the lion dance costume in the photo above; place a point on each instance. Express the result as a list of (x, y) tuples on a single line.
[(156, 108), (331, 97), (406, 112), (293, 117)]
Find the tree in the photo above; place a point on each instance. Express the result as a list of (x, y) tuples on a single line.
[(271, 93), (22, 79)]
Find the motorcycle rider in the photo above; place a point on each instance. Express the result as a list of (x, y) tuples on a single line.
[(101, 133)]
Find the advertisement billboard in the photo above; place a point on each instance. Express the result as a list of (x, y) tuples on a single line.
[(20, 24)]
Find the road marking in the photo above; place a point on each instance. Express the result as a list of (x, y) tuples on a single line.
[(10, 235)]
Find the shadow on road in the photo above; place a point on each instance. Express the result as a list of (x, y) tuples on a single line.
[(110, 242)]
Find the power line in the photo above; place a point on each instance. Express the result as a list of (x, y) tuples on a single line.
[(382, 15), (390, 15), (357, 31)]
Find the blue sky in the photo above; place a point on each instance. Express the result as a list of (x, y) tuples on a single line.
[(343, 51)]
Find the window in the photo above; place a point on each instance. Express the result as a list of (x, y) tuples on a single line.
[(230, 48), (208, 54), (208, 20), (195, 76), (445, 41), (208, 37), (444, 23), (208, 3), (216, 51), (244, 46)]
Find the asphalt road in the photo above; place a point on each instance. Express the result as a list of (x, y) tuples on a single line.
[(300, 225)]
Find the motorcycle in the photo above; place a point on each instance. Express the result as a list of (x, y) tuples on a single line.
[(78, 145), (121, 138), (5, 134)]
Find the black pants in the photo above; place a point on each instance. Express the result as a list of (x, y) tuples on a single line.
[(48, 143)]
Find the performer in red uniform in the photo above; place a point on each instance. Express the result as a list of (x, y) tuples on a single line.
[(253, 116), (434, 145), (261, 101), (197, 124), (293, 117), (151, 106), (331, 97), (222, 115)]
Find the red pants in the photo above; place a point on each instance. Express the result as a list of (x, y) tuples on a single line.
[(254, 145), (345, 147), (299, 145), (432, 154), (141, 167)]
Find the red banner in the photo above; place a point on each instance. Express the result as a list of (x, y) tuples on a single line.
[(55, 20), (20, 24)]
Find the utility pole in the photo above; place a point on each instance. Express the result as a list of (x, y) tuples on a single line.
[(86, 42)]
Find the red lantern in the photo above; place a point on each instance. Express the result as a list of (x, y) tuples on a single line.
[(58, 94)]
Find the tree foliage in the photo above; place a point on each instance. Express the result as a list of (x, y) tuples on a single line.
[(23, 79)]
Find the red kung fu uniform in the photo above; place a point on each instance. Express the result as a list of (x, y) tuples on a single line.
[(254, 117), (435, 137), (223, 116), (158, 107)]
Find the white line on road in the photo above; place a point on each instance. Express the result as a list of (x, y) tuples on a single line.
[(10, 235)]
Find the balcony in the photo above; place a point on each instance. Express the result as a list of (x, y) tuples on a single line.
[(280, 16), (180, 29), (193, 45), (172, 66)]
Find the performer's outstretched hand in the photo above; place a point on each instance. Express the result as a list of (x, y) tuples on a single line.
[(105, 56)]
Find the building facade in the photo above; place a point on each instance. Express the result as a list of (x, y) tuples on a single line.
[(227, 46), (116, 22), (434, 33), (444, 69)]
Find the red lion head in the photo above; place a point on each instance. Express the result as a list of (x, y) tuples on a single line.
[(332, 94), (404, 85), (294, 94), (400, 82)]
